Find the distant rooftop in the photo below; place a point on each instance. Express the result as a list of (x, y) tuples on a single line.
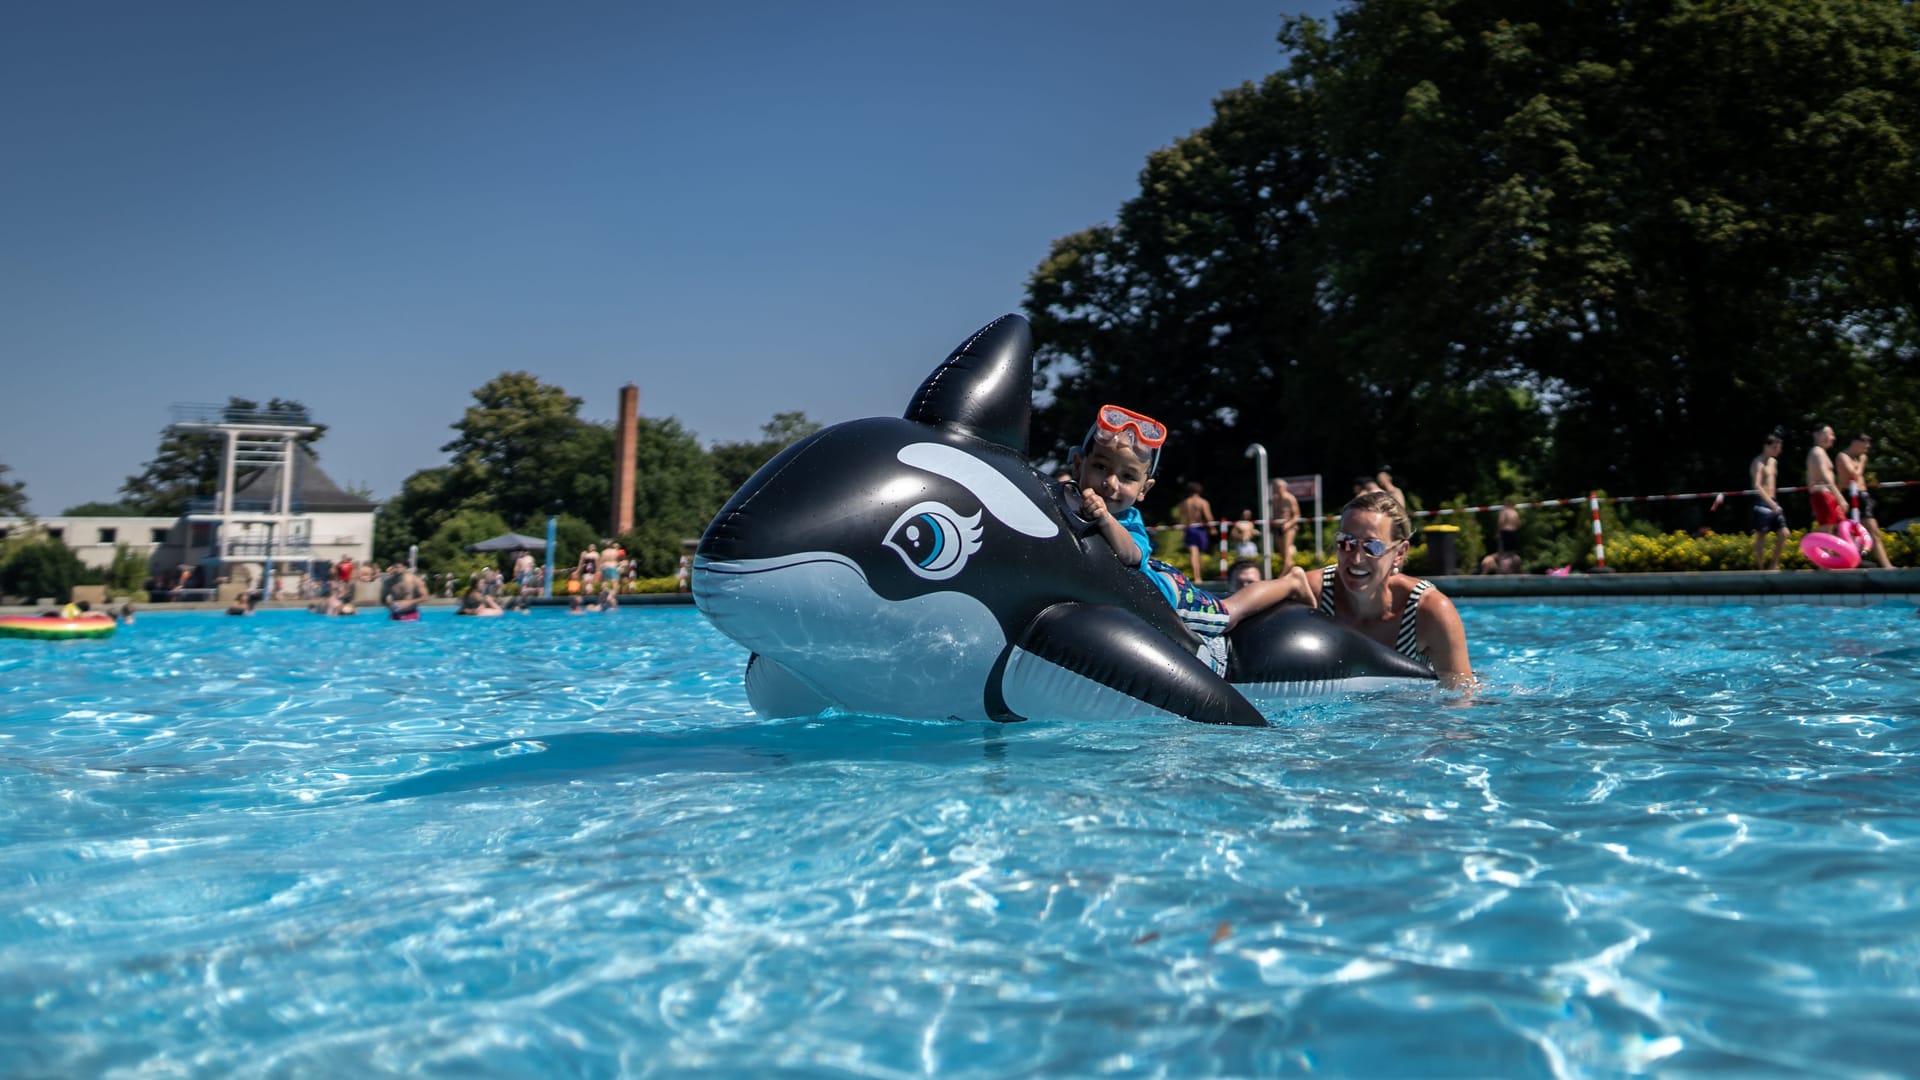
[(311, 487)]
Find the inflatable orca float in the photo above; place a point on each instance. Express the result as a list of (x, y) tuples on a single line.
[(918, 567)]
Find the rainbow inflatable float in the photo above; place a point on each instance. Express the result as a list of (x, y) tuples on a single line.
[(56, 627)]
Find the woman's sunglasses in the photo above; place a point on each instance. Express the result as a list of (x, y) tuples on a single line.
[(1348, 542)]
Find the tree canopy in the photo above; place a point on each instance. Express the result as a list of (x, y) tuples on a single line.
[(521, 452), (13, 494), (1596, 246)]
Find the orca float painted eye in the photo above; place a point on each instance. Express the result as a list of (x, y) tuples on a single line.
[(934, 540)]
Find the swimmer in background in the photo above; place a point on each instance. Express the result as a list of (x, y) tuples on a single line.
[(1763, 476), (403, 593), (477, 602), (1241, 574)]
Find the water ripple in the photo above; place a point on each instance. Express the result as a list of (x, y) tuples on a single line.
[(1663, 840)]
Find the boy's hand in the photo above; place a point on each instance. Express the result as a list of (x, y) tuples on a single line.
[(1092, 506)]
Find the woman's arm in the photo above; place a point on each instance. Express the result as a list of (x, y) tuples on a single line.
[(1440, 633)]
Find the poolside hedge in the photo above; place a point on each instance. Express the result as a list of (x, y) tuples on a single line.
[(1628, 552)]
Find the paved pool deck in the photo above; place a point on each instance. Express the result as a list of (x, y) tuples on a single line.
[(1851, 588), (1848, 588)]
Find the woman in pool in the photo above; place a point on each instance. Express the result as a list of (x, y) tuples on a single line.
[(1365, 590)]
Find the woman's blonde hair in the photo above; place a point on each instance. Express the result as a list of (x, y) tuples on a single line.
[(1379, 502)]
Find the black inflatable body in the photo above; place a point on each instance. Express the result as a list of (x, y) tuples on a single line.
[(918, 567)]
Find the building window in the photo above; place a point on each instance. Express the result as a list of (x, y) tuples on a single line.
[(159, 536), (107, 535), (4, 532), (57, 534)]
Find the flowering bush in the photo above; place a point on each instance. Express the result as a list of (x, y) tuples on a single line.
[(1676, 552)]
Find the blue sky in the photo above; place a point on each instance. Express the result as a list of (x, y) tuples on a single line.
[(374, 208)]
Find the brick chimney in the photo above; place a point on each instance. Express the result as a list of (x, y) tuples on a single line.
[(625, 454)]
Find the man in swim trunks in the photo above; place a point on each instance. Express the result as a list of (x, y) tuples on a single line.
[(1286, 516), (1507, 522), (1195, 513), (1114, 466), (1763, 478), (1850, 474), (1823, 492), (403, 593)]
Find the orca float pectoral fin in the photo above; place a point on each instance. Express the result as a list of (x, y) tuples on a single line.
[(1292, 652), (777, 694), (1093, 659)]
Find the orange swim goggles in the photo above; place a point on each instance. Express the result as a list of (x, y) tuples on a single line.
[(1151, 434)]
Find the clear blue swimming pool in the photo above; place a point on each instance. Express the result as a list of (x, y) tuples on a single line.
[(1666, 839)]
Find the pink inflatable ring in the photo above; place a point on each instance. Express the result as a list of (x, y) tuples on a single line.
[(1828, 551), (1856, 534)]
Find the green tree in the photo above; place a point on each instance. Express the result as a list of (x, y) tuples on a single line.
[(1606, 245), (677, 490), (736, 462), (129, 572), (13, 494), (121, 508), (504, 458), (446, 550), (187, 463), (408, 518), (40, 567)]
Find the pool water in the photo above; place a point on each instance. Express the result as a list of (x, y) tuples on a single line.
[(1664, 840)]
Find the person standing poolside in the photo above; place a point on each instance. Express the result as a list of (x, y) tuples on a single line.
[(403, 593), (1286, 514), (1763, 478), (1823, 491), (1242, 532), (611, 559), (1365, 590), (588, 566), (1383, 477), (1507, 524), (1196, 514), (523, 570), (1850, 474)]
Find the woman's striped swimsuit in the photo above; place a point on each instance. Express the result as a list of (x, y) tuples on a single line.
[(1407, 642)]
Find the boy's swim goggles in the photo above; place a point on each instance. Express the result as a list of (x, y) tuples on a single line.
[(1151, 434)]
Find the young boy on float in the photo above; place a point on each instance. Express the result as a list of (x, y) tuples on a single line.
[(1114, 468)]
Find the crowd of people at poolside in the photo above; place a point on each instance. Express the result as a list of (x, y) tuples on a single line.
[(1836, 488), (594, 584)]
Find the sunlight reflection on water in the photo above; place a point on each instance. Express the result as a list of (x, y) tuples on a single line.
[(546, 844)]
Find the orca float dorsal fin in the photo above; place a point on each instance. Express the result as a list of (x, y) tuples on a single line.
[(984, 388)]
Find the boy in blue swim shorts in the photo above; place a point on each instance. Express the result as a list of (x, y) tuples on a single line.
[(1114, 468)]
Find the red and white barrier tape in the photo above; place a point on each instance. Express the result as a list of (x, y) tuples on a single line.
[(1599, 549)]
